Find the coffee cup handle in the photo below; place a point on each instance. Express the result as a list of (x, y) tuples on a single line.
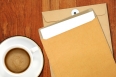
[(34, 49)]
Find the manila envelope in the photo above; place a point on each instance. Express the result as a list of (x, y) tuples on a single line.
[(54, 16), (77, 47)]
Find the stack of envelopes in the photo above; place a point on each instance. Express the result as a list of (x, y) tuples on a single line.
[(78, 45)]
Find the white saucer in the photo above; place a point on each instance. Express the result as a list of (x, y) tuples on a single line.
[(37, 64)]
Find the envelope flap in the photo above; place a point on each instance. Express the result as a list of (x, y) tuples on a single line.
[(56, 15), (64, 25)]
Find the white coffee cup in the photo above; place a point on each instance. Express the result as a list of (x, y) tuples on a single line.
[(29, 51)]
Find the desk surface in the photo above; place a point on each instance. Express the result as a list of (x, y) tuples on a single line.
[(23, 17)]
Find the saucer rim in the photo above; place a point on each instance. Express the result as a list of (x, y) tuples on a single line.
[(31, 41)]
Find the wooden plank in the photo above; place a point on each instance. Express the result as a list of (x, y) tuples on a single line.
[(8, 22), (83, 3), (112, 13), (67, 3), (45, 5), (54, 4)]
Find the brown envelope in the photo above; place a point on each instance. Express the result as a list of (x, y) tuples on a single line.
[(51, 17), (79, 52)]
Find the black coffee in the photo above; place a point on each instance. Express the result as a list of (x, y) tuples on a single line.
[(17, 60)]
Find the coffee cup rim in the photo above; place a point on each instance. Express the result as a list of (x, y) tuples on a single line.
[(17, 46)]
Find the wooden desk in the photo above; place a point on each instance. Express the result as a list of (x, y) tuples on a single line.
[(23, 17)]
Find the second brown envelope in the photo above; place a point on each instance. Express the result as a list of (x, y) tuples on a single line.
[(80, 52)]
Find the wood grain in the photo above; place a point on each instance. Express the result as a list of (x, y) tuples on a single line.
[(67, 4), (23, 17)]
